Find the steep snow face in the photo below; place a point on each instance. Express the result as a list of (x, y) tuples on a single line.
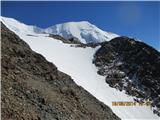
[(84, 31), (19, 27), (77, 62)]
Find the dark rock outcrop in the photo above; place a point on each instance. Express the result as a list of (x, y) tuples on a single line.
[(68, 41), (33, 88), (74, 41), (132, 66)]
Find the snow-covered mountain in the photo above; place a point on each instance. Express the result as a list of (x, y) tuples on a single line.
[(77, 62), (84, 31)]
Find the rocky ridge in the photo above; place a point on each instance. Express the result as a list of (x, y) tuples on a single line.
[(131, 66)]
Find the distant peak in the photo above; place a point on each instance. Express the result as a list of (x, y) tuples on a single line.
[(82, 22), (77, 22)]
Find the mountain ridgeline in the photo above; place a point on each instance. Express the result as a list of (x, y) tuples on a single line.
[(83, 31), (131, 66)]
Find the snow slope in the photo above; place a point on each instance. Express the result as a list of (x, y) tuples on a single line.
[(19, 27), (77, 62), (84, 31)]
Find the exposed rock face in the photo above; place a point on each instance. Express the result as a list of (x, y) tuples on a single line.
[(68, 41), (33, 88), (74, 41), (131, 66)]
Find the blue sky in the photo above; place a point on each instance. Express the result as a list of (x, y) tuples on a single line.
[(136, 19)]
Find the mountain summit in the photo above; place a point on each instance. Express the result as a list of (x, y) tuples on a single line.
[(83, 31)]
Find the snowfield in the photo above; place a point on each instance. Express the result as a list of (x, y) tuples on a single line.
[(77, 62)]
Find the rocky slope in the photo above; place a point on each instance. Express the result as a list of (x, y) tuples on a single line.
[(131, 66), (33, 88)]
